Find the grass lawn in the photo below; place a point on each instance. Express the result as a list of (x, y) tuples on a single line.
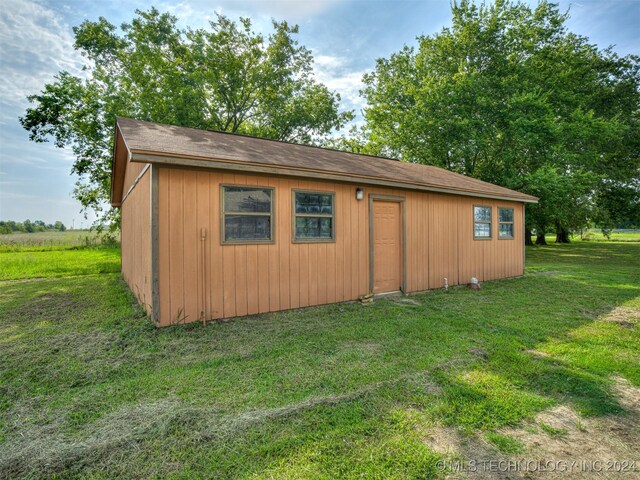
[(58, 263), (89, 388)]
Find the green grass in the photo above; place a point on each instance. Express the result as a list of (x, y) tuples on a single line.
[(88, 387), (505, 443), (58, 263), (56, 254), (616, 236), (553, 431), (595, 235)]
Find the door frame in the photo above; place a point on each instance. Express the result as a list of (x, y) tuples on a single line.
[(388, 198)]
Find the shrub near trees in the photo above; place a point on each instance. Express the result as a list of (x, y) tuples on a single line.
[(508, 95), (30, 227)]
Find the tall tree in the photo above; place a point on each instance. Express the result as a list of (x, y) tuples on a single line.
[(226, 77), (508, 95)]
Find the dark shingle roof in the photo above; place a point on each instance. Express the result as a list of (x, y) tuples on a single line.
[(146, 141)]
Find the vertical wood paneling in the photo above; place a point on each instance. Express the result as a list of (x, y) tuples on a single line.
[(363, 244), (216, 267), (240, 260), (313, 272), (176, 242), (353, 254), (347, 233), (263, 267), (413, 252), (283, 219), (204, 247), (340, 240), (246, 279), (294, 253), (136, 241), (253, 287), (191, 242), (303, 249), (274, 255), (331, 272), (164, 271), (228, 262), (322, 272)]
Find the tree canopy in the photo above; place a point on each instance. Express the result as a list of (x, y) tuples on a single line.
[(508, 95), (226, 77)]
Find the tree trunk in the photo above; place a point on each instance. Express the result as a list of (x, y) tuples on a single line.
[(527, 237), (562, 235), (540, 240)]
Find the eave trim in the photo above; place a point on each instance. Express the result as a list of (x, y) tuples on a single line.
[(219, 164)]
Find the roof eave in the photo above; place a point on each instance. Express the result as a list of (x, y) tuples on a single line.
[(222, 164)]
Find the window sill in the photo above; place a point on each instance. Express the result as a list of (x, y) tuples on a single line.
[(313, 240)]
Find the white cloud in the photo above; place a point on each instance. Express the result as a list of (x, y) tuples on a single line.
[(35, 44), (293, 10), (328, 61), (199, 12), (335, 73)]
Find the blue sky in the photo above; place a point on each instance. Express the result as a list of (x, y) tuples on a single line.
[(346, 36)]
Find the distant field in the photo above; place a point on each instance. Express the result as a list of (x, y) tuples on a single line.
[(56, 254), (40, 241)]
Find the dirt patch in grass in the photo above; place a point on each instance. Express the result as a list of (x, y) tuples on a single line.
[(404, 301), (558, 434), (562, 434), (624, 316)]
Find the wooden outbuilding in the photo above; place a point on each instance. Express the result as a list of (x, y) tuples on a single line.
[(218, 225)]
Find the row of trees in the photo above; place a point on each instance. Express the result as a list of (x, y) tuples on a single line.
[(506, 94), (30, 227)]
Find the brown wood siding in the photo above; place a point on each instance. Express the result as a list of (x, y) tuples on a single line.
[(136, 240), (214, 281), (131, 172)]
